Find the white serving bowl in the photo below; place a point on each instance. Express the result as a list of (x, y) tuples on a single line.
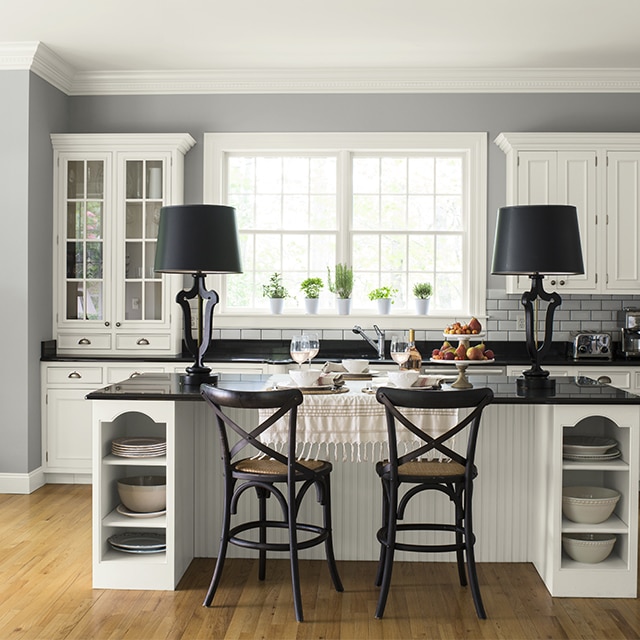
[(305, 377), (144, 494), (588, 505), (403, 379), (356, 366), (588, 547)]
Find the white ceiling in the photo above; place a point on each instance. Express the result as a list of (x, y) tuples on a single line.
[(299, 36)]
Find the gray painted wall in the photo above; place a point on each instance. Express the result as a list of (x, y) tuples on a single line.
[(31, 108), (492, 113)]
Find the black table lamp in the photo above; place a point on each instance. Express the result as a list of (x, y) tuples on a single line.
[(537, 240), (198, 239)]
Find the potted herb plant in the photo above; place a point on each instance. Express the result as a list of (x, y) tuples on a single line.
[(311, 288), (342, 286), (384, 298), (276, 292), (422, 292)]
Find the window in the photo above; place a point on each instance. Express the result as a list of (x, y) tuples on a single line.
[(401, 208)]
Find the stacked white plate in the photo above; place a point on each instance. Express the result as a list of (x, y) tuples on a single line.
[(589, 448), (138, 542), (139, 447)]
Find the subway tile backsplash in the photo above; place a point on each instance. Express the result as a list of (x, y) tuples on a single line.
[(504, 311)]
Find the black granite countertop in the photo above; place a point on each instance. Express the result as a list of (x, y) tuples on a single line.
[(277, 352), (168, 386)]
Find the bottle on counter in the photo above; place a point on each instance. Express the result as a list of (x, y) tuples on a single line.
[(415, 359)]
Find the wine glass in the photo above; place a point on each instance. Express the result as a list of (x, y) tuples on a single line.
[(300, 349), (400, 349), (314, 346)]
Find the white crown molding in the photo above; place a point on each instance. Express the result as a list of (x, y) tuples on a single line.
[(360, 81), (38, 58)]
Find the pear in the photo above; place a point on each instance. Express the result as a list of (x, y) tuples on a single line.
[(474, 325), (461, 352)]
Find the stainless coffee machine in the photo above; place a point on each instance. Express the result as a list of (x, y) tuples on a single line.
[(629, 323)]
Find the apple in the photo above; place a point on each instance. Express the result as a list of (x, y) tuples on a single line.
[(449, 355), (435, 352), (488, 354)]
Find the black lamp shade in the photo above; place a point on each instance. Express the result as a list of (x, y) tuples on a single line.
[(198, 238), (542, 239)]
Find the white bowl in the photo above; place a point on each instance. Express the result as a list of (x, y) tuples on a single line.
[(305, 377), (588, 547), (144, 494), (588, 505), (356, 366), (403, 379)]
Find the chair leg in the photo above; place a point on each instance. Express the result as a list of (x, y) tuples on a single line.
[(384, 526), (262, 514), (471, 559), (293, 555), (392, 517), (222, 551), (331, 559), (460, 537)]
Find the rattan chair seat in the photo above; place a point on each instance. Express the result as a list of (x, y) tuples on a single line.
[(270, 467)]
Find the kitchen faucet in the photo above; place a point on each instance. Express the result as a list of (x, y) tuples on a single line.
[(377, 345)]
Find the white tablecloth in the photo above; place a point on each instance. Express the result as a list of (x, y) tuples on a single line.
[(351, 425)]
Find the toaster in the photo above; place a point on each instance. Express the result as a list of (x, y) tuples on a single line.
[(592, 345)]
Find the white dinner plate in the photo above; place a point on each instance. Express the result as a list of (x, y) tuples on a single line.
[(577, 457), (588, 445), (138, 541), (138, 514)]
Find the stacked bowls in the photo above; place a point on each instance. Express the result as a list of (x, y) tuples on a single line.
[(588, 547), (588, 505)]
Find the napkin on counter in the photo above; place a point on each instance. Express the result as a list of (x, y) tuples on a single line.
[(333, 367)]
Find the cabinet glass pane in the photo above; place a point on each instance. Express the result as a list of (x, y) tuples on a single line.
[(84, 301), (84, 240), (134, 175), (133, 301), (75, 179), (153, 300), (133, 264), (154, 186), (152, 219), (149, 260), (133, 227), (95, 179)]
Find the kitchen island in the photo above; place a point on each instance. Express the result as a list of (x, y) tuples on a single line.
[(517, 500)]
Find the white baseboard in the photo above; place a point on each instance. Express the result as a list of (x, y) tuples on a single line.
[(22, 482)]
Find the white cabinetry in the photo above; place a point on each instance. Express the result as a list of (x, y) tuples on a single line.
[(615, 577), (108, 192), (599, 174), (113, 569), (66, 415)]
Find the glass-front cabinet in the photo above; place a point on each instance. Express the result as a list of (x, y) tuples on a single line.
[(109, 192)]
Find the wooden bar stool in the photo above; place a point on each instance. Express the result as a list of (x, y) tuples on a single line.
[(454, 478), (262, 473)]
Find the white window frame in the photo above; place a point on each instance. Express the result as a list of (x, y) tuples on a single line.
[(473, 145)]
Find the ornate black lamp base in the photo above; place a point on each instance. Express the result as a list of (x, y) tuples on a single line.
[(197, 376), (539, 384)]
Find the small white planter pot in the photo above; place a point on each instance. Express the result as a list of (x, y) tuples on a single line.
[(276, 305), (384, 306), (422, 306), (311, 305), (344, 306)]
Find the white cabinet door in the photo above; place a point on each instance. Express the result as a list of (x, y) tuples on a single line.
[(623, 229), (109, 190), (564, 177), (68, 431)]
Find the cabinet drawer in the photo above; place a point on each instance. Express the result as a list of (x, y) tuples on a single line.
[(82, 375), (620, 379), (84, 341), (137, 342), (118, 374)]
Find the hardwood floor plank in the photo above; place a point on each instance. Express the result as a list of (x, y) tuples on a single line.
[(46, 594)]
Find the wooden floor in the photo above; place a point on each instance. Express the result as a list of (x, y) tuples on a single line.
[(45, 593)]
